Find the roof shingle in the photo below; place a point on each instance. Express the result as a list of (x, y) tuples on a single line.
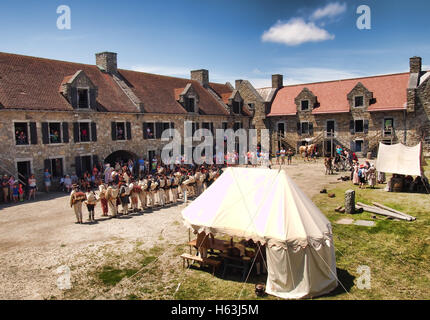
[(389, 92)]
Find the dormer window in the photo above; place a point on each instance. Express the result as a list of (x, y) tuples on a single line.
[(237, 106), (304, 104), (190, 104), (83, 98), (358, 101)]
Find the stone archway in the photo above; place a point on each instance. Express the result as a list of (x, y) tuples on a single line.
[(120, 155)]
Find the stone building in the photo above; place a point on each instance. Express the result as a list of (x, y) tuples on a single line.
[(354, 113), (67, 116)]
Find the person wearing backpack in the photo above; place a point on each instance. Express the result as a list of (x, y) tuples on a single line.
[(362, 176)]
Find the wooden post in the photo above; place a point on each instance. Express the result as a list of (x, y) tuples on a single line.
[(331, 152)]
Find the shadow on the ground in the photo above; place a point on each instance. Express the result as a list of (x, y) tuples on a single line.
[(345, 279), (40, 196)]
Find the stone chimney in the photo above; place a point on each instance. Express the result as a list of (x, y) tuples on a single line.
[(277, 81), (237, 83), (107, 61), (201, 76), (415, 64)]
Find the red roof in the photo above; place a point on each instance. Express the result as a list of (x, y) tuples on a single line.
[(159, 93), (389, 92), (33, 83)]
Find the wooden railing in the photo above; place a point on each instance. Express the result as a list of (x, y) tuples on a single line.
[(21, 178)]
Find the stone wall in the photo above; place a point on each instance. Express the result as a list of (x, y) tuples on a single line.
[(343, 135), (102, 148)]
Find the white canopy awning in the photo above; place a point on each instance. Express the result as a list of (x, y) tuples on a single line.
[(260, 204), (399, 159)]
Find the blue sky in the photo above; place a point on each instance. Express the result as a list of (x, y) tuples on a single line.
[(237, 39)]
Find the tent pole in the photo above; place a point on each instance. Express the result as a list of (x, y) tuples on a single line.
[(189, 238)]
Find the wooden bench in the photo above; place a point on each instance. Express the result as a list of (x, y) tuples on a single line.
[(202, 261)]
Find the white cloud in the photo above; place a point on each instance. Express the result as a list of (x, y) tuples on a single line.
[(329, 11), (295, 32)]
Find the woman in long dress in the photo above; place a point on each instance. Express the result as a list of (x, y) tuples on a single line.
[(371, 176), (355, 177)]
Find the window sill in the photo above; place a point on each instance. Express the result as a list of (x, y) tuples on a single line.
[(56, 144)]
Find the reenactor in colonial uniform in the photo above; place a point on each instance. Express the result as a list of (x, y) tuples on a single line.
[(111, 197), (161, 191), (168, 188), (76, 199), (103, 201), (199, 183), (124, 197), (143, 194), (188, 186), (175, 186), (135, 190), (153, 186)]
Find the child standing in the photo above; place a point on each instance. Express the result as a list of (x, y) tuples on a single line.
[(15, 192), (21, 192)]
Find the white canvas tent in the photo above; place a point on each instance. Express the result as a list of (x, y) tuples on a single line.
[(267, 206), (399, 159)]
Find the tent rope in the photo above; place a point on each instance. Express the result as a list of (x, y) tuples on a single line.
[(335, 275)]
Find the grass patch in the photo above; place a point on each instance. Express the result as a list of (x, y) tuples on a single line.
[(111, 276), (397, 252)]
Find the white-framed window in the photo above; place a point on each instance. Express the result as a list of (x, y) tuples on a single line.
[(304, 127), (55, 132), (304, 105), (84, 130), (190, 103), (149, 128), (237, 106), (21, 132), (121, 133), (388, 126), (83, 98), (358, 101)]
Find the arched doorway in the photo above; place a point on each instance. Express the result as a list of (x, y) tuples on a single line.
[(120, 156)]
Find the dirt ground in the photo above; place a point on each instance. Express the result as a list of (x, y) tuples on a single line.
[(38, 237)]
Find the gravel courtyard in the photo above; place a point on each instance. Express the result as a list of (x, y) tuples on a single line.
[(36, 238)]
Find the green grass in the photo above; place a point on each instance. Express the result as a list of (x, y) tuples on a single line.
[(110, 276), (397, 252)]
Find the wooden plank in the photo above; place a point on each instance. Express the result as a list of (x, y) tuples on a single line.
[(392, 210), (380, 211), (191, 257)]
